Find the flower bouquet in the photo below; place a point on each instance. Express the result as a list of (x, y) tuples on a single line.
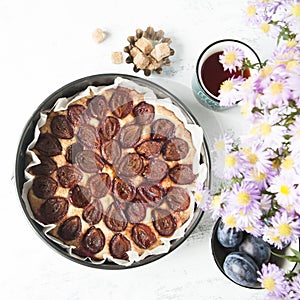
[(260, 189)]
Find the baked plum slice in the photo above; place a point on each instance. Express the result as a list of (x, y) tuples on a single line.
[(89, 161), (61, 127), (46, 167), (162, 129), (93, 240), (130, 166), (111, 151), (177, 198), (48, 144), (121, 102), (149, 149), (123, 190), (163, 221), (135, 211), (68, 176), (92, 214), (182, 174), (99, 184), (72, 151), (98, 106), (156, 170), (130, 135), (54, 209), (88, 136), (76, 114), (175, 149), (70, 229), (151, 194), (109, 128), (143, 236), (144, 113), (118, 246), (114, 218), (44, 186), (80, 196)]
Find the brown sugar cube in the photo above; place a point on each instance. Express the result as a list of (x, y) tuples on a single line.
[(117, 57), (141, 60), (153, 65), (160, 51), (98, 35), (134, 51), (144, 45)]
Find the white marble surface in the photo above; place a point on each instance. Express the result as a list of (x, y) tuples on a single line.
[(46, 44)]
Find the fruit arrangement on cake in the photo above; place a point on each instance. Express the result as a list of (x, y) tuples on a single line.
[(113, 172)]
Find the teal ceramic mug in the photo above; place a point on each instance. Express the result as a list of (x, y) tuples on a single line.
[(206, 88)]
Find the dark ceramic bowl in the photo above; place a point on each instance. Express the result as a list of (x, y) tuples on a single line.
[(219, 253), (67, 91)]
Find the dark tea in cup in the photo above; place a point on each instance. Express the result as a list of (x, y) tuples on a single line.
[(210, 73), (213, 73)]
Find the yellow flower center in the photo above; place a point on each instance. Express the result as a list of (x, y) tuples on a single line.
[(254, 131), (288, 163), (284, 189), (269, 284), (265, 129), (243, 198), (265, 27), (285, 230), (226, 86), (249, 228), (251, 10), (230, 161), (266, 71), (276, 88), (296, 10), (291, 43), (246, 150), (230, 221), (258, 176), (230, 58), (216, 201), (199, 197), (247, 84), (291, 65), (244, 109), (220, 145), (252, 158)]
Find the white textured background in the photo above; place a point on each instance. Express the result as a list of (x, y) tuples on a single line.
[(46, 44)]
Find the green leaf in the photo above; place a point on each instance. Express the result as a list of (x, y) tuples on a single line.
[(296, 253), (292, 258)]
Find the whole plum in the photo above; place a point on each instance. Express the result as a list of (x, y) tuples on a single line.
[(257, 248), (228, 237), (241, 268)]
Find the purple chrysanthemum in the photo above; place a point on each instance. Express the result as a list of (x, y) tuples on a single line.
[(287, 226), (232, 58), (295, 288), (245, 197), (273, 281)]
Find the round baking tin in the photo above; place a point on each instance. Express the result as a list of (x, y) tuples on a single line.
[(69, 90)]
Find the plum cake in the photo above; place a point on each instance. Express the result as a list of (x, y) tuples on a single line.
[(114, 175)]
